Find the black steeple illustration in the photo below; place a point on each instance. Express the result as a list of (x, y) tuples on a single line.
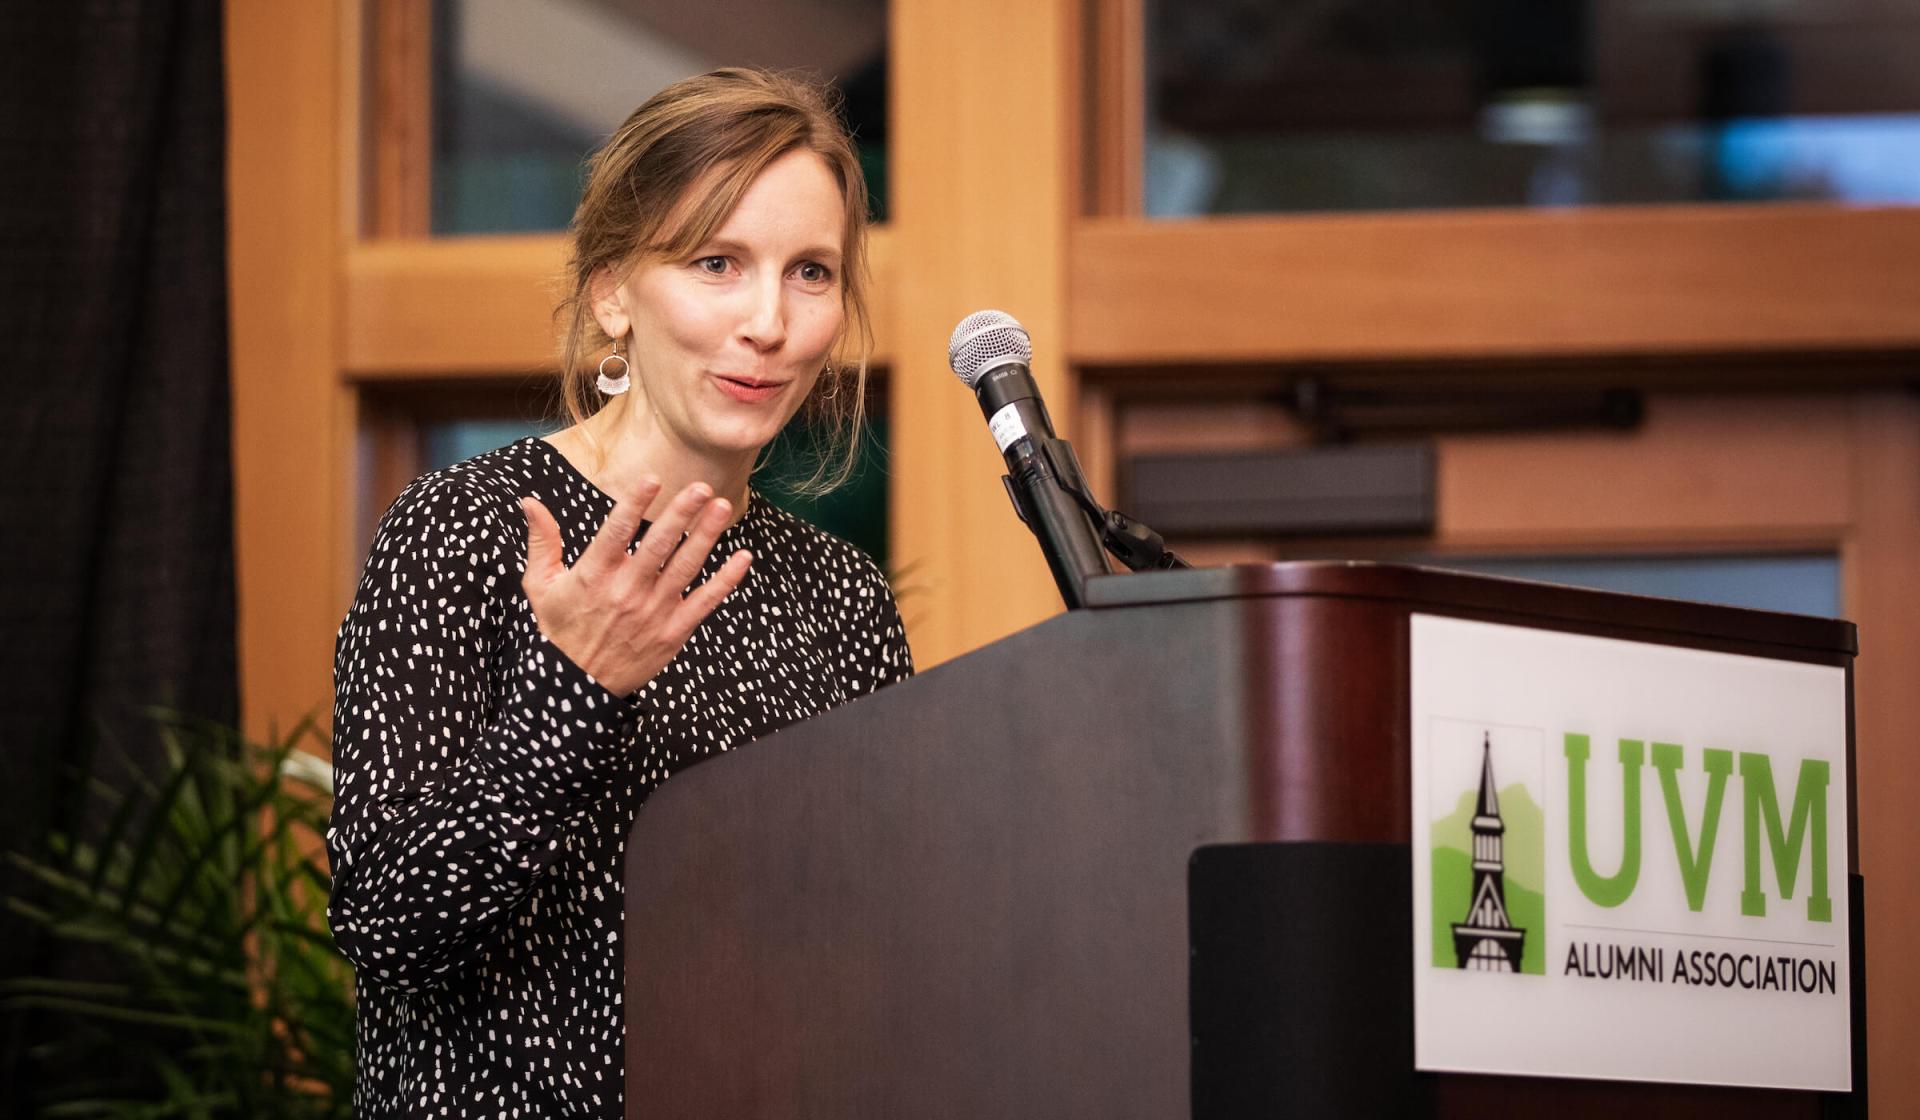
[(1487, 941)]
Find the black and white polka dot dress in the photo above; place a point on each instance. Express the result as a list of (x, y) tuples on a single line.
[(485, 784)]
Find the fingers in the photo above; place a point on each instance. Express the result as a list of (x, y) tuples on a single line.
[(608, 549), (674, 548), (544, 561), (663, 536), (701, 601), (691, 556)]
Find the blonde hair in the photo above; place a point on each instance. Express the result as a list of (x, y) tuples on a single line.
[(719, 130)]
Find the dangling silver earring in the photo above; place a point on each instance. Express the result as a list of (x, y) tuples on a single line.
[(614, 386)]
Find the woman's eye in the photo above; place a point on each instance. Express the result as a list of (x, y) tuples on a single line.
[(814, 273), (713, 266)]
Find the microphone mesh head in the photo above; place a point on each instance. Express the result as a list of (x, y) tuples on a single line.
[(986, 340)]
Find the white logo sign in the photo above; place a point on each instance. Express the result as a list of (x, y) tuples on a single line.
[(1629, 860)]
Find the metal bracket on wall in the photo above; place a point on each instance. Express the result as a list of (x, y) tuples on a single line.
[(1341, 414)]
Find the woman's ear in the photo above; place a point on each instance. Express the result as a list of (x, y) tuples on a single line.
[(604, 299)]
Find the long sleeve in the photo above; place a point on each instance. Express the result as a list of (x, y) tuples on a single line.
[(464, 743), (876, 652)]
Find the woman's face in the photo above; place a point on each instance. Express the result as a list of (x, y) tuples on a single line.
[(727, 342)]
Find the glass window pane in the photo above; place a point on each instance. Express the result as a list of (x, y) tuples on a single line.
[(523, 92), (1805, 583), (448, 442), (1286, 105)]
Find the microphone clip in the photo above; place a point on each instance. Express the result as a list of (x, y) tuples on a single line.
[(1126, 540)]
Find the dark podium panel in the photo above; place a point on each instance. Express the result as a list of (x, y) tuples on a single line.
[(1015, 885)]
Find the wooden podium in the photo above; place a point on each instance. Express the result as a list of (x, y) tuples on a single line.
[(1022, 883)]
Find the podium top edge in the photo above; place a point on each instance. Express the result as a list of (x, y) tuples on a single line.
[(1459, 592)]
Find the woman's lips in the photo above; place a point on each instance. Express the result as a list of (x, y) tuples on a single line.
[(746, 389)]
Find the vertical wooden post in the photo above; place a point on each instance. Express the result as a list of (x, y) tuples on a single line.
[(983, 142), (1115, 108), (399, 184), (289, 114), (1881, 555)]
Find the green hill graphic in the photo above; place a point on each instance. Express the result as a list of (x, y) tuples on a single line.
[(1523, 853)]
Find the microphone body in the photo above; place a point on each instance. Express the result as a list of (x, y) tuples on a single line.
[(1040, 471)]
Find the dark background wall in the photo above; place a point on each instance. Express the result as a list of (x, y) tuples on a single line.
[(116, 563)]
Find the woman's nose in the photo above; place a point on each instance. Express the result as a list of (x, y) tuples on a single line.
[(764, 324)]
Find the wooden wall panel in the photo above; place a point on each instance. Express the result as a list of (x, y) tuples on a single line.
[(1881, 558), (1114, 108), (1701, 472), (397, 72), (289, 189), (982, 195), (458, 306), (1671, 280)]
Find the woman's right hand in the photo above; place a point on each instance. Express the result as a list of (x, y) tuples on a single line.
[(623, 615)]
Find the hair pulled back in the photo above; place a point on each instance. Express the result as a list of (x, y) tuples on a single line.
[(717, 131)]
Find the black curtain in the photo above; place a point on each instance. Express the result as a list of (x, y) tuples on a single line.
[(116, 567)]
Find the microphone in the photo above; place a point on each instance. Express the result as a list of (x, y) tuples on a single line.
[(990, 351)]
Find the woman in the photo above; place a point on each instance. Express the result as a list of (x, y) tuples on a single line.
[(518, 672)]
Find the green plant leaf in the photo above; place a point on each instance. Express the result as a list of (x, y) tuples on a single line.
[(204, 887)]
